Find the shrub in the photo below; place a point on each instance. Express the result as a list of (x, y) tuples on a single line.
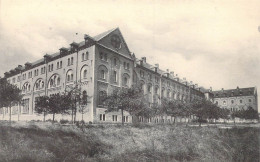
[(63, 121)]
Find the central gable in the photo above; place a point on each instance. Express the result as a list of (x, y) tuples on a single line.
[(114, 40)]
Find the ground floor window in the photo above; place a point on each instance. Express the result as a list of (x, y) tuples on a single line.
[(125, 119), (1, 111), (114, 117), (102, 117)]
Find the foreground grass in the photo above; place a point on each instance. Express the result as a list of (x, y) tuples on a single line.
[(47, 142)]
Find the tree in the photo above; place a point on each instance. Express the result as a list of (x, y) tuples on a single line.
[(125, 99), (251, 113), (9, 95), (83, 101), (42, 106)]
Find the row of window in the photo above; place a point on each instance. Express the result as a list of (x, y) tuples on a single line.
[(232, 94), (232, 101), (102, 117)]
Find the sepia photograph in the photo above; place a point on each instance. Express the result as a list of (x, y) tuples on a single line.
[(129, 81)]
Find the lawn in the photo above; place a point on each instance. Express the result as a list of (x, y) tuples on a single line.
[(38, 141)]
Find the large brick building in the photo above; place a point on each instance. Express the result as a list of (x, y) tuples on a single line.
[(98, 65)]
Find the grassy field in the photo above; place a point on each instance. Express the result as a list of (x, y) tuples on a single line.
[(53, 142)]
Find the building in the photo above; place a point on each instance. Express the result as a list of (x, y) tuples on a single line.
[(98, 65), (236, 99)]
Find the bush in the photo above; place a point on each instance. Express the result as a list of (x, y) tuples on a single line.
[(62, 121)]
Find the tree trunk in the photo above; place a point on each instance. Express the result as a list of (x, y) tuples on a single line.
[(53, 116), (44, 114), (122, 113), (10, 114), (72, 119)]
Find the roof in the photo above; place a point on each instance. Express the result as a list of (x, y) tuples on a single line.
[(234, 92), (102, 35)]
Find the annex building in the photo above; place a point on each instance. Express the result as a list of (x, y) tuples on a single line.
[(99, 65)]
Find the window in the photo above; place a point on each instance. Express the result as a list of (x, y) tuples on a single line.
[(87, 55), (115, 62), (156, 79), (68, 61), (124, 65), (241, 101), (149, 77), (125, 81), (102, 117), (115, 76), (102, 74), (13, 80), (60, 64), (25, 106), (83, 57), (127, 66), (51, 67), (232, 101), (156, 90), (141, 73), (103, 56), (70, 76), (249, 100), (71, 61), (168, 94), (114, 117), (85, 74), (162, 93), (149, 88), (216, 102), (224, 102), (240, 93), (125, 119)]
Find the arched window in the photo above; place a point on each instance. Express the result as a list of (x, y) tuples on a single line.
[(39, 84), (84, 72), (232, 101), (162, 93), (54, 81), (69, 76), (60, 64), (125, 79), (168, 94), (51, 67), (102, 72)]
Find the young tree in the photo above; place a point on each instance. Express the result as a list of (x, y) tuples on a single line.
[(125, 99), (83, 101), (9, 95), (42, 106), (58, 105)]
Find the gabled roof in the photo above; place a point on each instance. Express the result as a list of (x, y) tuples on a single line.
[(235, 92), (102, 35)]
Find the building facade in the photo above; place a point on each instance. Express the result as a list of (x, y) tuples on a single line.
[(236, 99), (98, 65)]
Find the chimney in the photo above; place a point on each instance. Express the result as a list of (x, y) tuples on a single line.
[(196, 85), (210, 89), (222, 89), (156, 67), (237, 87), (172, 73), (141, 62), (28, 65), (63, 51), (144, 59), (168, 74)]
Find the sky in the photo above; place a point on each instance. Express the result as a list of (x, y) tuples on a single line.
[(213, 43)]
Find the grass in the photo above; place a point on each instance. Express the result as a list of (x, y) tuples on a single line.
[(54, 142)]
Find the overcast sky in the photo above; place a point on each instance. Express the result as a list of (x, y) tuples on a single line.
[(212, 43)]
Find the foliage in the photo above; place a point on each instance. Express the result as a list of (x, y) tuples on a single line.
[(127, 99), (9, 95)]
